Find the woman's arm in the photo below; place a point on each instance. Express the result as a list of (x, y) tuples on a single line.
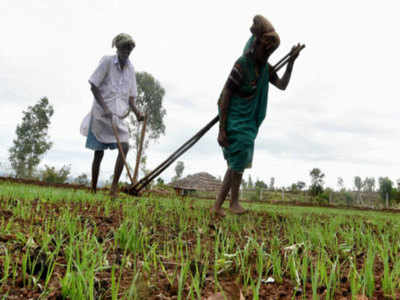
[(223, 104), (282, 83)]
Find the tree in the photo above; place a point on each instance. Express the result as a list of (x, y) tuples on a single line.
[(293, 187), (300, 185), (149, 101), (32, 139), (317, 181), (358, 183), (160, 181), (272, 183), (178, 170), (82, 179), (244, 184), (340, 184), (385, 188), (250, 182), (51, 175), (261, 184), (369, 184)]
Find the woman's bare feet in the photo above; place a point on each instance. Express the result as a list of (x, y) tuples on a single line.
[(237, 209), (217, 211)]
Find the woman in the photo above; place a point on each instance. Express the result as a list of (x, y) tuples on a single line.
[(243, 104)]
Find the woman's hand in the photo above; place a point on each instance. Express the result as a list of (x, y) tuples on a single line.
[(222, 138), (294, 53)]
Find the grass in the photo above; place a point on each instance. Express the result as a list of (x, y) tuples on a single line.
[(76, 245)]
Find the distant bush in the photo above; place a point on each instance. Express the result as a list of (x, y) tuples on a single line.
[(396, 195), (254, 196), (51, 175), (82, 179), (323, 197), (386, 189), (349, 198)]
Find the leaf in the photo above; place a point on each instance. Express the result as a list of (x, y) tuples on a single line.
[(241, 296), (31, 243), (230, 255), (268, 280), (293, 247)]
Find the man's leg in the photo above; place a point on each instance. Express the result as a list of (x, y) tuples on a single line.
[(223, 192), (119, 165), (236, 179), (98, 156)]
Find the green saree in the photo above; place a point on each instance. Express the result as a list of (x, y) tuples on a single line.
[(246, 113)]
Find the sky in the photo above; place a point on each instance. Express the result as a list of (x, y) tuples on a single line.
[(340, 112)]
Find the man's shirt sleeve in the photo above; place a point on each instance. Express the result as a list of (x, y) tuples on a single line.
[(100, 73)]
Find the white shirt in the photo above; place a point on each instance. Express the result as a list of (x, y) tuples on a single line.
[(116, 86)]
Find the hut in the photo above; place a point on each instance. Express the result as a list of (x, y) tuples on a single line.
[(199, 182)]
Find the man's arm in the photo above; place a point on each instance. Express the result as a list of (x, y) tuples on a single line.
[(223, 104), (139, 116), (100, 100)]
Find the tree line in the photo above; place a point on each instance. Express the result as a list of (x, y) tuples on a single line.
[(387, 189)]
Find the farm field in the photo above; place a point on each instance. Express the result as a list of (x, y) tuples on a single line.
[(60, 243)]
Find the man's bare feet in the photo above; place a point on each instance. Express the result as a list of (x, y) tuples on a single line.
[(237, 209), (217, 211)]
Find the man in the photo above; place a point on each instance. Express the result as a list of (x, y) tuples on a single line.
[(113, 85), (242, 107)]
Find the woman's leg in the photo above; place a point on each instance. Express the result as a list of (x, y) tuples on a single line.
[(223, 192), (98, 156), (236, 180)]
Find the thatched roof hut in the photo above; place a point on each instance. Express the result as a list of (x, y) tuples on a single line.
[(202, 182)]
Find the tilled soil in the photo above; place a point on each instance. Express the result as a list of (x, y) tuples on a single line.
[(160, 287), (151, 286)]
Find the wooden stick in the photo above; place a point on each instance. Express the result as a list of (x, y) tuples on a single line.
[(139, 150), (120, 149), (286, 59)]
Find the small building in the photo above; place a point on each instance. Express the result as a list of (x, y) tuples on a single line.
[(199, 182)]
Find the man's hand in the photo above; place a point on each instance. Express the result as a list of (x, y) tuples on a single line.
[(222, 138), (107, 113), (140, 117)]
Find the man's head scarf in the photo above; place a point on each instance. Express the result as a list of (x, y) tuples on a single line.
[(263, 30), (123, 39)]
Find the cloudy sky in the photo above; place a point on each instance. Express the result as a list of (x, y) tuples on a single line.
[(340, 112)]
